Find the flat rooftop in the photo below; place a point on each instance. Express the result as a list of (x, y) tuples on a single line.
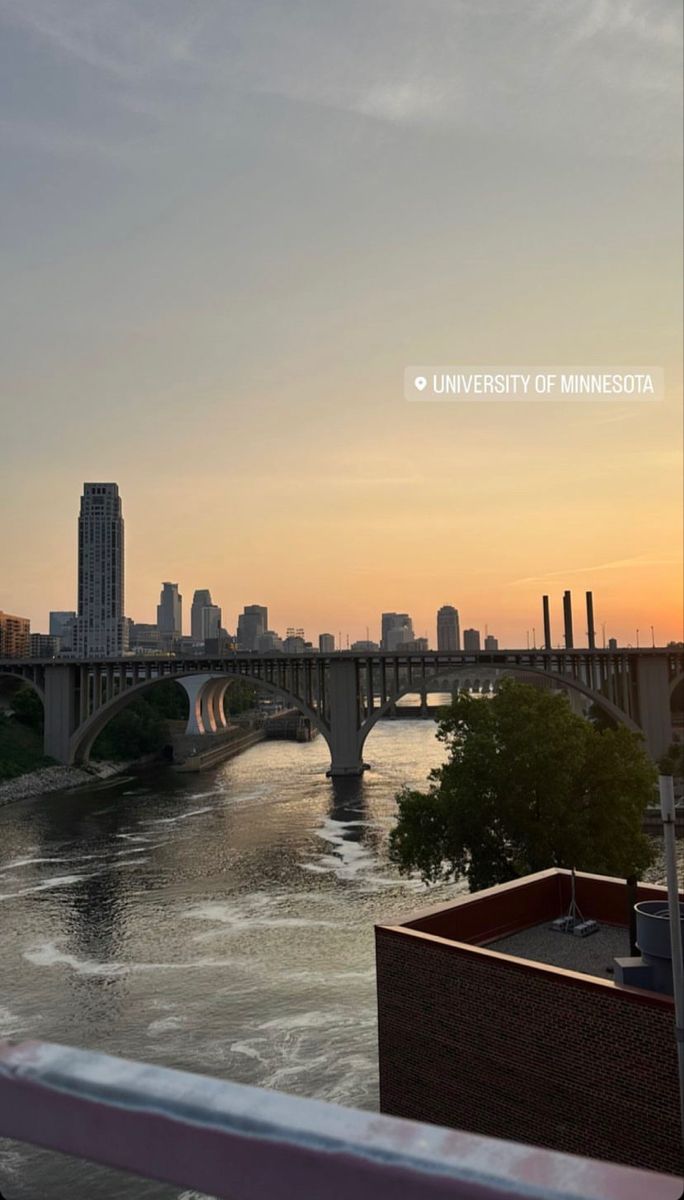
[(591, 955)]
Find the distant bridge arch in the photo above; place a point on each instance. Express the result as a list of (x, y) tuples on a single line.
[(476, 683), (84, 737)]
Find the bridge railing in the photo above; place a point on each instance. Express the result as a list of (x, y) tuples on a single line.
[(228, 1140)]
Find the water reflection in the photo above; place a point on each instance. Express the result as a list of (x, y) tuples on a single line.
[(221, 923)]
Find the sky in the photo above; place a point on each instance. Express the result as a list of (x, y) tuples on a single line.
[(228, 226)]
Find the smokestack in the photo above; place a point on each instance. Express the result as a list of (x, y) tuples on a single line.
[(547, 624), (567, 618), (591, 633)]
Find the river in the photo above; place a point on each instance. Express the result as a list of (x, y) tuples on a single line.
[(221, 923)]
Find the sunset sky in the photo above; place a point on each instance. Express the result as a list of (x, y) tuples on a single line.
[(229, 225)]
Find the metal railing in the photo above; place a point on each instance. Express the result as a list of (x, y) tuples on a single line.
[(243, 1143)]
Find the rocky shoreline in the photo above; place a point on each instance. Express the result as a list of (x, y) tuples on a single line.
[(56, 779)]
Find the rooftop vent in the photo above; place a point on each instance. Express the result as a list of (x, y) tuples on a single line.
[(653, 969)]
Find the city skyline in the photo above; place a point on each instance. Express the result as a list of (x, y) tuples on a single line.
[(251, 624)]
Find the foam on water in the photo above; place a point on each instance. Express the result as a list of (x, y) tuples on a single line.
[(48, 954), (57, 882)]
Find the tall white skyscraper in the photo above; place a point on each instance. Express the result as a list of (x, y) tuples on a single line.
[(101, 629), (170, 613)]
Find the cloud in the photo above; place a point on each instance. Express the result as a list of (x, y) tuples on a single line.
[(118, 37), (640, 560)]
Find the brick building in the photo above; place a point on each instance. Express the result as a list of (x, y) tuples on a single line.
[(489, 1021), (14, 636)]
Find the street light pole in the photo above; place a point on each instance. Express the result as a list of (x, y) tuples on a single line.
[(667, 809)]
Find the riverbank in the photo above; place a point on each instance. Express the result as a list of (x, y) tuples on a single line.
[(57, 779)]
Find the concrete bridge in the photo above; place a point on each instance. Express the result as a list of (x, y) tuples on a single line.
[(345, 694)]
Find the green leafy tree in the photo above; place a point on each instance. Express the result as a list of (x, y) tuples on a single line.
[(672, 763), (27, 707), (527, 785)]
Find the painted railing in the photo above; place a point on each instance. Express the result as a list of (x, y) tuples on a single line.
[(243, 1143)]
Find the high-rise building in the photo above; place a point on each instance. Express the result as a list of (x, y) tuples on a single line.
[(326, 643), (294, 643), (471, 640), (252, 622), (491, 643), (391, 621), (170, 613), (42, 645), (399, 636), (448, 630), (269, 642), (144, 637), (200, 601), (63, 626), (14, 636), (364, 646), (211, 622), (100, 622)]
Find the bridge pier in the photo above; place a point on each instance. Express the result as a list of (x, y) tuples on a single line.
[(62, 711), (195, 686), (344, 735), (654, 716)]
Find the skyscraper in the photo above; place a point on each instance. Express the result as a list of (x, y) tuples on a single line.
[(395, 621), (63, 626), (448, 630), (326, 643), (200, 600), (252, 622), (211, 622), (100, 623), (471, 639), (170, 613), (491, 643)]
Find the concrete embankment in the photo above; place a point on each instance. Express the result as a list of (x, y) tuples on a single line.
[(219, 752), (56, 779)]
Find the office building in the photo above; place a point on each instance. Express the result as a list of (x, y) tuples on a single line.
[(294, 643), (392, 621), (41, 645), (491, 643), (170, 614), (448, 630), (364, 647), (269, 642), (63, 626), (326, 643), (200, 601), (100, 628), (14, 636), (144, 637), (252, 622), (471, 640), (612, 644), (211, 623)]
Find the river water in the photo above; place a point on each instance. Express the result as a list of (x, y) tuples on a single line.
[(221, 923)]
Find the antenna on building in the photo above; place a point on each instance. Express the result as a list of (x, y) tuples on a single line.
[(574, 922)]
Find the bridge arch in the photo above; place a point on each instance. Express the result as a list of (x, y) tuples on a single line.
[(83, 739), (558, 681), (21, 679)]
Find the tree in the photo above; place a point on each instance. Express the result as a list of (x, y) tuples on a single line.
[(527, 785), (27, 707), (672, 763)]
